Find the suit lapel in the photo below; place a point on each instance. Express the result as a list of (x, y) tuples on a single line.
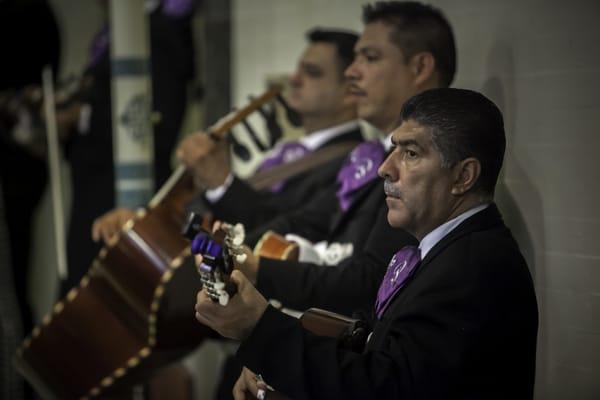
[(342, 216), (485, 219)]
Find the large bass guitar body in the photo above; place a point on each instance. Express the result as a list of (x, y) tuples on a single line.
[(129, 315), (133, 312)]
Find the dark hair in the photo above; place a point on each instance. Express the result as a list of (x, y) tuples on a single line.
[(344, 42), (418, 27), (463, 124)]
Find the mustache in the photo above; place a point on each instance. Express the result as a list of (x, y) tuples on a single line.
[(391, 190), (355, 89)]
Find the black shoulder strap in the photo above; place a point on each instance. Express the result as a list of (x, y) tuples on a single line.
[(265, 179)]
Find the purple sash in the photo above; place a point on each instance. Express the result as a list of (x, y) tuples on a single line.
[(359, 169), (287, 153), (403, 263)]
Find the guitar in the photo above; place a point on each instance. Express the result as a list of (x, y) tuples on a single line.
[(223, 246), (219, 250), (350, 332), (273, 245), (130, 314)]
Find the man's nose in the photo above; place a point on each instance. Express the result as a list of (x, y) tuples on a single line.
[(351, 72), (295, 80), (385, 171)]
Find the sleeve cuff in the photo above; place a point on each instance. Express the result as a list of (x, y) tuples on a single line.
[(270, 327)]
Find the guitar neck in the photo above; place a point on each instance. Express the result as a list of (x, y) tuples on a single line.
[(351, 333), (218, 251)]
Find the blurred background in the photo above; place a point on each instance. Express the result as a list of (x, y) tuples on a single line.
[(538, 60)]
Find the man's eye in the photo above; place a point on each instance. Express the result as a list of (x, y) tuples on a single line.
[(313, 72), (411, 154)]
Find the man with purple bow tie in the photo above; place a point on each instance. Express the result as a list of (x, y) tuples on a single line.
[(455, 317), (321, 95)]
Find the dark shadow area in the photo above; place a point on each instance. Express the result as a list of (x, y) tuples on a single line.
[(516, 193)]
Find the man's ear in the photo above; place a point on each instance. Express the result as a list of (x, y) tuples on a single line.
[(423, 67), (466, 174)]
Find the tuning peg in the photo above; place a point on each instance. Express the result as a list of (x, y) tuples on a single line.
[(239, 235), (241, 258), (236, 234)]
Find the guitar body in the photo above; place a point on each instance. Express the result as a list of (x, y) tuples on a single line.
[(273, 245), (130, 315)]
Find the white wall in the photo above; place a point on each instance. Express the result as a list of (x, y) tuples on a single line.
[(539, 61)]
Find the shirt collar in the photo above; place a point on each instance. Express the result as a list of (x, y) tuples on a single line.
[(318, 138), (433, 237), (386, 141)]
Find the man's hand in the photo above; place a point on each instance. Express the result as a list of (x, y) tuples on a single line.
[(208, 160), (238, 318), (248, 386), (250, 266), (110, 223), (67, 118)]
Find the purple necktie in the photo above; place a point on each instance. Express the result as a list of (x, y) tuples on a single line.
[(287, 153), (359, 169), (400, 268)]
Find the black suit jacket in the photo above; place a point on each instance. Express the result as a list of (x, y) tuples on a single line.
[(352, 285), (464, 327), (243, 204), (322, 218)]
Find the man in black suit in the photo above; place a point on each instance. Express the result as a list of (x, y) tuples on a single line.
[(456, 317), (321, 95), (405, 48)]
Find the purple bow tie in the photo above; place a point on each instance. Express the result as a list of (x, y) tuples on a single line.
[(359, 169), (400, 268), (287, 153)]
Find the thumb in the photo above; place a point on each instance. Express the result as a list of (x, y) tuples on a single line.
[(95, 230), (239, 279)]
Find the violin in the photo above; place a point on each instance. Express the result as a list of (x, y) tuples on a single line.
[(21, 113)]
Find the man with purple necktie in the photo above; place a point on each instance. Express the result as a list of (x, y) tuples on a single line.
[(455, 317), (321, 95), (405, 48)]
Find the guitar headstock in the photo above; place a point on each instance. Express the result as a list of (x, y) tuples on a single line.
[(218, 250)]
